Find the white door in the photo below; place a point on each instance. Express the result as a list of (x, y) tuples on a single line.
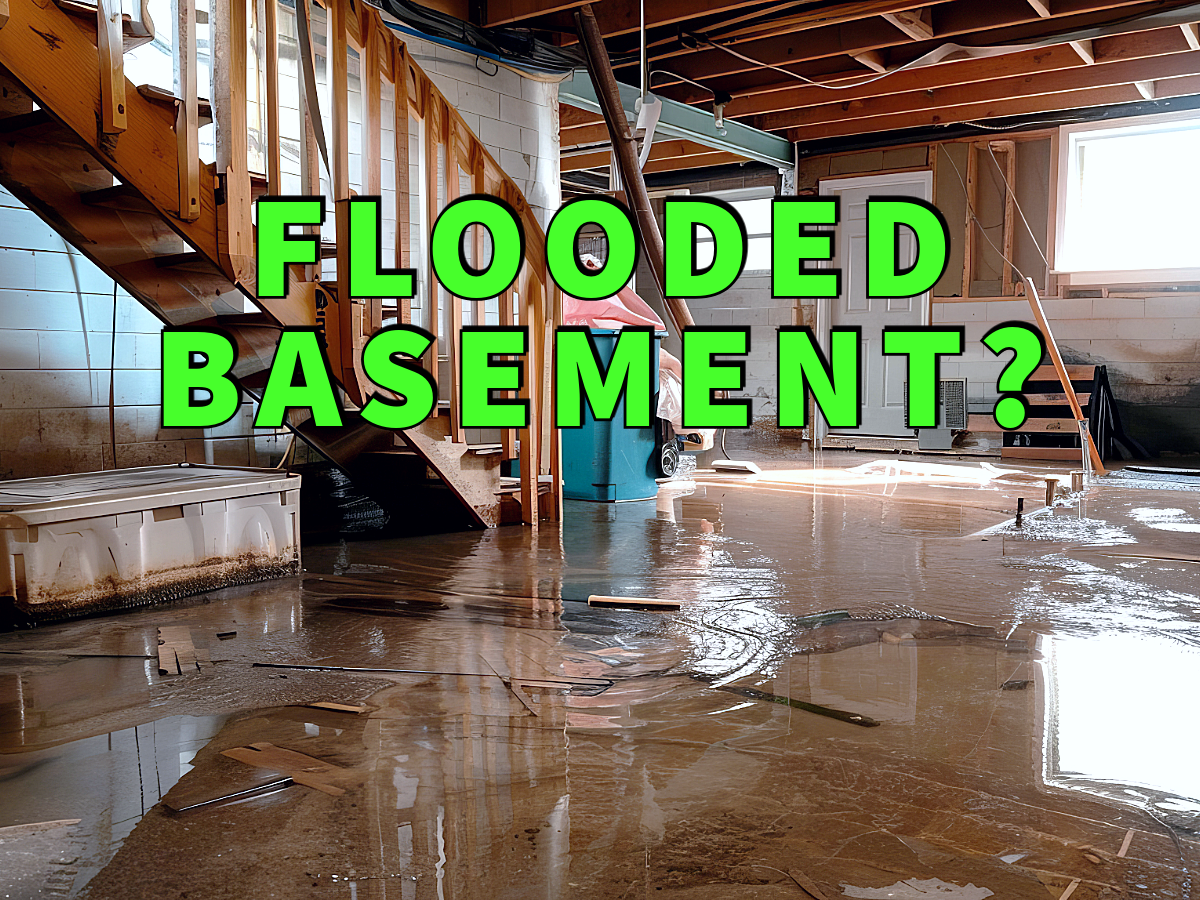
[(883, 376)]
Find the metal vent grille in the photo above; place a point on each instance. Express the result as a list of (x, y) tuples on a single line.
[(952, 395)]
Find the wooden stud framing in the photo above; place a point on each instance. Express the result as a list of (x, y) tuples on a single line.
[(274, 163), (969, 242)]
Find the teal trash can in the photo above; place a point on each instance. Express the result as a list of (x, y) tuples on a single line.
[(604, 461)]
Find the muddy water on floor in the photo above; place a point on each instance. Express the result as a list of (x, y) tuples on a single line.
[(1014, 756)]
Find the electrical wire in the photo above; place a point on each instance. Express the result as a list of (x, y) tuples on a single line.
[(975, 218)]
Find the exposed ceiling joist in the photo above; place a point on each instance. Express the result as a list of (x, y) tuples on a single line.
[(789, 96), (1018, 106), (863, 112), (999, 21), (662, 150), (917, 24), (1084, 49)]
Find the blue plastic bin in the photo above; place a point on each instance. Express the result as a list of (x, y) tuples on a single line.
[(605, 461)]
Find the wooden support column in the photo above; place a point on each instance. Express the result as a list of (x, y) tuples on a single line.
[(111, 43), (969, 243), (1009, 149), (187, 114), (531, 437), (609, 95)]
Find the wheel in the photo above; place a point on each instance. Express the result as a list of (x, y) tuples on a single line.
[(668, 458)]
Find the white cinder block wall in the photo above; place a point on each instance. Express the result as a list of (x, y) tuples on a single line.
[(1151, 346)]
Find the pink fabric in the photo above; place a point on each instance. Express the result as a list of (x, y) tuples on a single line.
[(626, 308)]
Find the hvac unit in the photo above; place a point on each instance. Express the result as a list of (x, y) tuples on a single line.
[(952, 415)]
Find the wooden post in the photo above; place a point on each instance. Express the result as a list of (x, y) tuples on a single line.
[(110, 41), (969, 243), (187, 114), (432, 137), (1039, 316), (274, 164), (403, 224), (339, 94), (234, 225), (450, 138), (609, 95), (372, 94), (530, 390)]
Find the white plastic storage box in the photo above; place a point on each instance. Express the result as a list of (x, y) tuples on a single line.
[(98, 540)]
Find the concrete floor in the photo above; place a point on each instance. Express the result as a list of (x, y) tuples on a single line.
[(1033, 688)]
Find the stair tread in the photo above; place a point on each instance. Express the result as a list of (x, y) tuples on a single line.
[(119, 196), (191, 260), (133, 34), (164, 97)]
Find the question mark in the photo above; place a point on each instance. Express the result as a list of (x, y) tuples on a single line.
[(1028, 346)]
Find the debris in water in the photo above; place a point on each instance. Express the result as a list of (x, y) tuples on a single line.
[(806, 884), (1016, 685), (301, 769), (337, 707), (839, 714), (269, 788), (226, 635), (176, 653), (917, 889), (632, 602)]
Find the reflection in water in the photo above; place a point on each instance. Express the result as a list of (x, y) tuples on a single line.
[(836, 588), (1119, 710)]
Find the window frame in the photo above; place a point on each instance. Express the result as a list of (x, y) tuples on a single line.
[(1065, 166), (764, 192)]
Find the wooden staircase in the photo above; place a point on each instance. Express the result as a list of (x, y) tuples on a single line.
[(116, 170)]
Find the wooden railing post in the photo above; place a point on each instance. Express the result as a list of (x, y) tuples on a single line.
[(403, 225), (110, 41), (274, 163), (187, 114), (235, 231)]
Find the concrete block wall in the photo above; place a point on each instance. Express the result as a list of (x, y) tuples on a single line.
[(57, 354), (1150, 344)]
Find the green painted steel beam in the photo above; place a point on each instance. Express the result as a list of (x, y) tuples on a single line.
[(678, 120)]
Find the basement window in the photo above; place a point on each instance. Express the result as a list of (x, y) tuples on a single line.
[(754, 206), (1129, 201)]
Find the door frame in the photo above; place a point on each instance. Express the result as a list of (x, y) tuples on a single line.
[(835, 185)]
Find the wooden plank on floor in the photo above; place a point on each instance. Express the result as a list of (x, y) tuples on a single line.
[(300, 768), (1055, 454)]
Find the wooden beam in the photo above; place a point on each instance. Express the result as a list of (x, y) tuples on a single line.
[(673, 149), (872, 59), (789, 95), (582, 135), (1191, 33), (917, 24), (1099, 96), (1146, 89), (110, 41), (777, 23), (1084, 49), (998, 21), (700, 161), (1002, 89), (504, 12)]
